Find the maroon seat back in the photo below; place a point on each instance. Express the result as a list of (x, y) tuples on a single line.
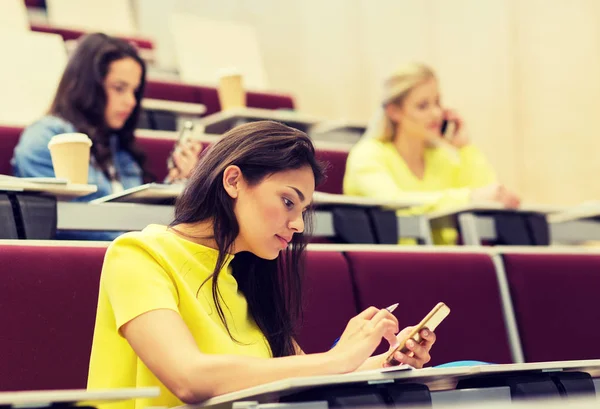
[(466, 282), (35, 3), (209, 97), (172, 91), (555, 298), (336, 167), (157, 151), (267, 101), (328, 300), (9, 137), (48, 299)]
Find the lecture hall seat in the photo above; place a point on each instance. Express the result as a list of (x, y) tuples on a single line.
[(555, 299), (465, 281), (48, 298)]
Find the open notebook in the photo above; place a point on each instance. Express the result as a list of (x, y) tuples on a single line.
[(150, 193)]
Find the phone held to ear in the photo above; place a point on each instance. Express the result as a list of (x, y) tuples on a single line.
[(448, 129), (431, 322)]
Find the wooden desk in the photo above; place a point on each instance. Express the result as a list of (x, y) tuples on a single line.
[(474, 221), (111, 216), (223, 121), (339, 131), (321, 198), (71, 397), (341, 125), (411, 227), (151, 192), (178, 108), (199, 135), (140, 207), (62, 191), (437, 379), (576, 224)]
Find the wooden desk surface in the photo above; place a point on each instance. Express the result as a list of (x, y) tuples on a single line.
[(60, 190)]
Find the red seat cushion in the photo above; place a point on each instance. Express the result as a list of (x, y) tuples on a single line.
[(336, 167), (466, 282), (48, 299), (555, 298), (9, 137), (328, 300)]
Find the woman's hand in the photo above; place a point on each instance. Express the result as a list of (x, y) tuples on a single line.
[(458, 138), (362, 336), (419, 353), (496, 193), (185, 158)]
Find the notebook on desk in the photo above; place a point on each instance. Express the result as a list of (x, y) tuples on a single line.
[(150, 193)]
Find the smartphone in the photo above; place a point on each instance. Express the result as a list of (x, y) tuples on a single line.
[(431, 322), (444, 126), (448, 129), (184, 136)]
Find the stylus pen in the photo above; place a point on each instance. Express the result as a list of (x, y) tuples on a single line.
[(391, 308)]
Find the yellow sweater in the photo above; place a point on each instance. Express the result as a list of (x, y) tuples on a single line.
[(376, 169)]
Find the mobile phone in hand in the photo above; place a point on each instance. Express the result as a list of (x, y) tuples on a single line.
[(184, 135), (448, 129), (431, 321)]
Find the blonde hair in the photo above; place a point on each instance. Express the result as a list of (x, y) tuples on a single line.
[(395, 89)]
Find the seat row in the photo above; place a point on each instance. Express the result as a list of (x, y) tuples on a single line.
[(158, 150), (507, 305)]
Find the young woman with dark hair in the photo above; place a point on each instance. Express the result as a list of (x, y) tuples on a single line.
[(99, 95), (209, 304)]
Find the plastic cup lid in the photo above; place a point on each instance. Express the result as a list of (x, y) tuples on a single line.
[(70, 138)]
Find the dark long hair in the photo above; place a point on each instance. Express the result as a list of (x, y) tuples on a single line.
[(81, 98), (272, 288)]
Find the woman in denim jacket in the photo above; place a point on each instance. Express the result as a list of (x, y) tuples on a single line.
[(100, 95)]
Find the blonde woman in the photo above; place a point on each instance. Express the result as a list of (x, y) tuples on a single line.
[(404, 155)]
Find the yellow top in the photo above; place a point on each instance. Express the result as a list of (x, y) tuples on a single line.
[(375, 169), (156, 269)]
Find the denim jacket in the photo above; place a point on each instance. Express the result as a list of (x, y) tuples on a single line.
[(32, 159)]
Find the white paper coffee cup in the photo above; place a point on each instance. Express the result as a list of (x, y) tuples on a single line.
[(70, 154), (231, 89)]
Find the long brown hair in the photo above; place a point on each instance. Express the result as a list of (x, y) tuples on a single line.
[(81, 99), (273, 288)]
